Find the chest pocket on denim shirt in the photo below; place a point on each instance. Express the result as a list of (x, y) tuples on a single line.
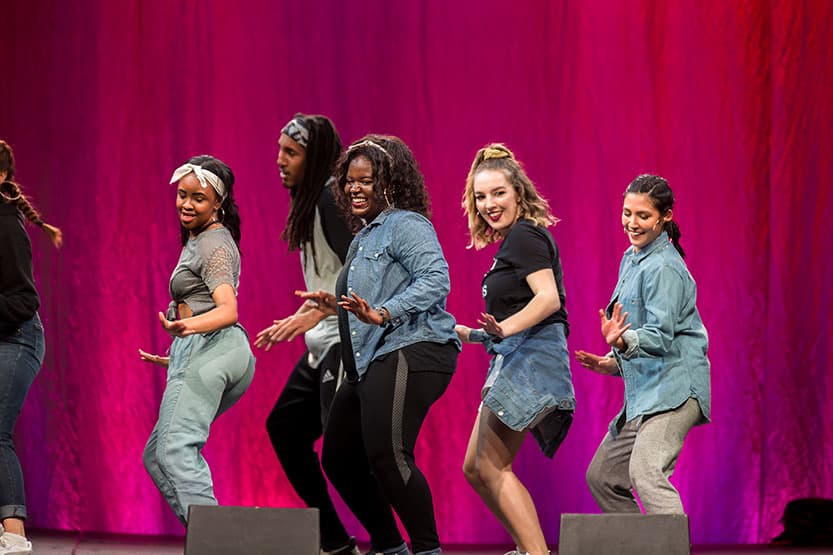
[(634, 305)]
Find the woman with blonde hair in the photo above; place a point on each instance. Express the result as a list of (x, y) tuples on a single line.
[(529, 386)]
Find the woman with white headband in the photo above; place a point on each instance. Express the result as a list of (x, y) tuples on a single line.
[(210, 364)]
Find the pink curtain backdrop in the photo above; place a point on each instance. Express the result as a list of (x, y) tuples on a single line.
[(730, 100)]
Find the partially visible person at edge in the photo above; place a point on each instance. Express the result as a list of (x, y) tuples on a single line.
[(529, 387), (399, 348), (658, 347), (22, 344), (210, 364), (308, 149)]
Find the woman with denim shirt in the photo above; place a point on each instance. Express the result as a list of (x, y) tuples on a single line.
[(210, 364), (529, 386), (22, 345), (659, 348), (399, 348)]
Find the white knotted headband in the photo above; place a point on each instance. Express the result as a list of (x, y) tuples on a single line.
[(205, 177)]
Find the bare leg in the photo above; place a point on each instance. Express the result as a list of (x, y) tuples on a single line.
[(14, 526), (488, 468)]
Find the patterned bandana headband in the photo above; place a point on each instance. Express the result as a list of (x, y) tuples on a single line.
[(297, 131), (370, 143), (204, 176)]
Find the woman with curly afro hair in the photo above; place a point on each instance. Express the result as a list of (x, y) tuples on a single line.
[(399, 347)]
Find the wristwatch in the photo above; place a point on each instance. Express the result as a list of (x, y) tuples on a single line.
[(385, 316)]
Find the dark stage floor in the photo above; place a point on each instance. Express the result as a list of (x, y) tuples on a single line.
[(66, 543)]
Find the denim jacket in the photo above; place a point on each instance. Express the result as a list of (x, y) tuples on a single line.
[(529, 375), (396, 262), (665, 361)]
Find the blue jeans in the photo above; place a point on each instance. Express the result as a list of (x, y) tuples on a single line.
[(207, 374), (21, 355)]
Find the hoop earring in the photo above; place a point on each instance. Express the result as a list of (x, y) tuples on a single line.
[(387, 198), (7, 197), (222, 214)]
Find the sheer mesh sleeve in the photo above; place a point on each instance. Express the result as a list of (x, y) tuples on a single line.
[(219, 269)]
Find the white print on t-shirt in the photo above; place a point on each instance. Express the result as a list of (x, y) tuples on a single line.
[(484, 289)]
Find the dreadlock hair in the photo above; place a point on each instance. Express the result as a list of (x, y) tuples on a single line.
[(229, 215), (10, 193), (322, 152), (397, 181), (662, 197), (531, 206)]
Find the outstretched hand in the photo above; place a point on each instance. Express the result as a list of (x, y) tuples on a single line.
[(490, 325), (308, 315), (361, 309), (322, 300), (601, 364), (615, 326), (155, 359), (55, 235)]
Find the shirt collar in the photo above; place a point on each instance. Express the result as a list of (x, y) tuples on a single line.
[(380, 219), (660, 242)]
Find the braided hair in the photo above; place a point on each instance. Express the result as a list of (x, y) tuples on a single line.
[(10, 193), (662, 197)]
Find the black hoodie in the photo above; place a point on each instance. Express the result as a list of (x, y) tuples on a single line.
[(18, 298)]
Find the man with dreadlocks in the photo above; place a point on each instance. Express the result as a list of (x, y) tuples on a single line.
[(308, 149)]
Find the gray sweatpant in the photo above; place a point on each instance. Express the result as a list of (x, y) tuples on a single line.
[(642, 457)]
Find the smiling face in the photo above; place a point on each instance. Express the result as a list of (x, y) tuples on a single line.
[(292, 159), (496, 200), (641, 220), (196, 206), (358, 186)]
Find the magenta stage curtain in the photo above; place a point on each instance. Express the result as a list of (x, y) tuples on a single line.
[(730, 100)]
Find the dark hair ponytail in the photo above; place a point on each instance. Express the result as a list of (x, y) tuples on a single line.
[(229, 214), (662, 197), (674, 234), (10, 193)]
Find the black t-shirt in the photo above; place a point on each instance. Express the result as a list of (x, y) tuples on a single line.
[(527, 249)]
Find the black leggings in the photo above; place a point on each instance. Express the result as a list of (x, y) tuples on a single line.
[(294, 425), (368, 451)]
